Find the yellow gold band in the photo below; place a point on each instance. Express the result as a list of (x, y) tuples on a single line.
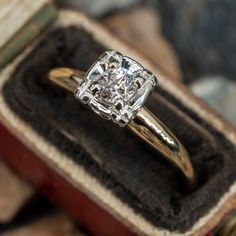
[(144, 124)]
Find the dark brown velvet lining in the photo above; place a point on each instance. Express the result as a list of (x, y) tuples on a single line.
[(120, 161)]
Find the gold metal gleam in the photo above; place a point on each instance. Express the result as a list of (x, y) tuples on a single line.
[(144, 124)]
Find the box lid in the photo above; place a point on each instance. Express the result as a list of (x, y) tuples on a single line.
[(19, 28)]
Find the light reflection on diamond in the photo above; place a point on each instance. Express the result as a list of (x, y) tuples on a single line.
[(114, 84)]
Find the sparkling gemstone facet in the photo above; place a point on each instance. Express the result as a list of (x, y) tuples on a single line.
[(116, 86)]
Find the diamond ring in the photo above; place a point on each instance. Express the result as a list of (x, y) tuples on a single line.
[(116, 87)]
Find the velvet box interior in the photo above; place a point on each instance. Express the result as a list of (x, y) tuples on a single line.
[(120, 161)]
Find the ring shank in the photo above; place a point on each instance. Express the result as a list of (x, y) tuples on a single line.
[(144, 124), (153, 131)]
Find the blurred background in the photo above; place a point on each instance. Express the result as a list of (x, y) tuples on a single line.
[(194, 41)]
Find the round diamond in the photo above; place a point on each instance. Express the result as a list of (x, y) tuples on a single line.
[(116, 87), (117, 82)]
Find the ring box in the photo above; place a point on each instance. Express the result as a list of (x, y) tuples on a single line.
[(107, 178)]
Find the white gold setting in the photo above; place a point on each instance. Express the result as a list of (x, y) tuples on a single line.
[(116, 87)]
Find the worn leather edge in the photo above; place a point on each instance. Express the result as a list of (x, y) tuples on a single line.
[(78, 176)]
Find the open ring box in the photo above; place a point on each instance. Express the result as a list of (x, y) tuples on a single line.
[(108, 179)]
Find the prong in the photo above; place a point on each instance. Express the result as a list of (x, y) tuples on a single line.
[(103, 55), (121, 123), (114, 52), (104, 116), (85, 99), (77, 91), (119, 104), (151, 77), (113, 117), (139, 81), (94, 88)]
